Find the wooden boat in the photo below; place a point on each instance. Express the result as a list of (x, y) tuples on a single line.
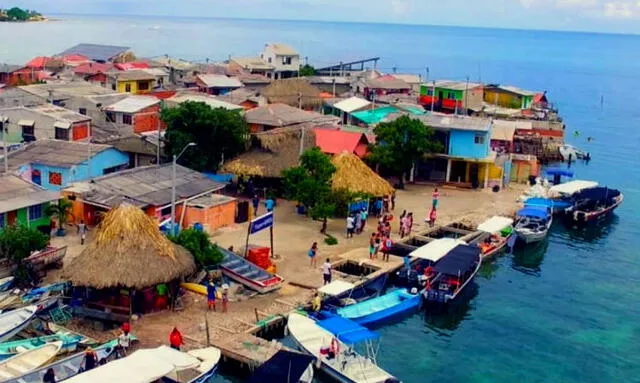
[(10, 300), (532, 224), (47, 256), (382, 308), (346, 366), (13, 322), (69, 344), (594, 204), (285, 366), (158, 364), (5, 283), (454, 272), (248, 274), (65, 368), (27, 361), (55, 329), (499, 230)]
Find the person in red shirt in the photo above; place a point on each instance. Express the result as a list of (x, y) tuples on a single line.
[(175, 339), (432, 217)]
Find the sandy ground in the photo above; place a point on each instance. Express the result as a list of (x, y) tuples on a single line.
[(293, 235)]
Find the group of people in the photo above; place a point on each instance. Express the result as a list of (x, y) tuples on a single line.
[(380, 240), (269, 204), (356, 222), (212, 295), (326, 267), (384, 205), (406, 224)]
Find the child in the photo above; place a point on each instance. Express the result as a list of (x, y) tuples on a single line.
[(372, 245), (434, 198), (313, 251), (211, 294), (225, 297), (432, 217)]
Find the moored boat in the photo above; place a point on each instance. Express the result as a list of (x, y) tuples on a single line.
[(334, 349), (27, 361), (5, 283), (571, 153), (246, 273), (381, 308), (12, 322), (533, 223), (454, 272), (285, 366), (69, 344), (498, 231), (594, 204), (418, 271)]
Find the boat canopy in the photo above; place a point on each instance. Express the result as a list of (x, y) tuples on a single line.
[(284, 366), (598, 193), (143, 366), (347, 331), (459, 260), (437, 249), (559, 172), (495, 224), (336, 288), (573, 187), (547, 202), (533, 211)]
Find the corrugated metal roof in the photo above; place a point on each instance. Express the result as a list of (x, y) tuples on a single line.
[(144, 186), (279, 115), (134, 75), (209, 100), (133, 104), (456, 85), (518, 91), (211, 200), (60, 114), (219, 81), (252, 63), (17, 193), (53, 153), (449, 122), (351, 104), (95, 51), (408, 78)]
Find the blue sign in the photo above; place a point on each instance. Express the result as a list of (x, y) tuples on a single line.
[(261, 223)]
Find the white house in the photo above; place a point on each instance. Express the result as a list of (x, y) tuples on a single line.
[(285, 60)]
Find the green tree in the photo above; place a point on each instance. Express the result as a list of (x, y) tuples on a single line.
[(307, 70), (60, 211), (219, 133), (16, 244), (198, 244), (17, 14), (400, 143)]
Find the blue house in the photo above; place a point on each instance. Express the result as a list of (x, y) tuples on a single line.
[(466, 157), (55, 164)]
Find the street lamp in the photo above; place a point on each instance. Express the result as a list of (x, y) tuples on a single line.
[(173, 186)]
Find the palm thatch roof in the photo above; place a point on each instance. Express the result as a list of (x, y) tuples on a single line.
[(291, 91), (129, 251), (272, 152), (354, 175)]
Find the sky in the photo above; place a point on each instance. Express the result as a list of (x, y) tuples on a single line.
[(617, 16)]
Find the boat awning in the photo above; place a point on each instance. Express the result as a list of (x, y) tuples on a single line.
[(546, 202), (284, 366), (559, 172), (598, 193), (148, 365), (347, 331), (495, 224), (336, 288), (572, 187), (437, 249), (533, 211), (459, 260)]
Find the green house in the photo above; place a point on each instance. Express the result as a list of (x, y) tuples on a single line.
[(23, 202)]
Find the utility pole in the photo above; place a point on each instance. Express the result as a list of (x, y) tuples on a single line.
[(333, 81), (427, 78), (302, 132)]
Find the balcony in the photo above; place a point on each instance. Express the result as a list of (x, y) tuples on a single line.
[(451, 104)]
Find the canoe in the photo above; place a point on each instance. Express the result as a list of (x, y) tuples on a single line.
[(57, 329), (248, 274), (65, 368), (69, 344), (195, 287), (5, 283), (13, 322), (381, 308), (27, 361)]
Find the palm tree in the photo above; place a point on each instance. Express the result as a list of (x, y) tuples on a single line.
[(61, 212)]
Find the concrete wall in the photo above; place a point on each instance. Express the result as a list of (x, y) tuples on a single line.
[(462, 144), (135, 87), (277, 61), (43, 127)]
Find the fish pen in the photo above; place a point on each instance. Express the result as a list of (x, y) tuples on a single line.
[(354, 268)]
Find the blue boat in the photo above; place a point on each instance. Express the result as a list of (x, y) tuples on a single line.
[(379, 309), (555, 205)]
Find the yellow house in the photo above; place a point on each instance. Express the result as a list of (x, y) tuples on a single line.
[(134, 81)]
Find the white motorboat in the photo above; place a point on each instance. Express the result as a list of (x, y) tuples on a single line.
[(567, 151), (12, 322), (27, 361), (533, 224)]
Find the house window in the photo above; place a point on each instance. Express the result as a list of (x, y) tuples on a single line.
[(35, 212), (429, 92), (127, 88), (55, 178), (143, 85), (127, 119), (111, 117), (113, 86), (269, 60), (286, 60), (62, 134), (82, 111), (28, 133), (166, 211), (479, 139), (451, 96)]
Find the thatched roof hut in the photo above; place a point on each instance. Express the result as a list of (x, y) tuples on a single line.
[(354, 175), (291, 91), (272, 152), (129, 251)]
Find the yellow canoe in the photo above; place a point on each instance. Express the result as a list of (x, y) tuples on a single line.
[(198, 289)]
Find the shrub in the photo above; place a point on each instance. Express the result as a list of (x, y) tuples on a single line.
[(198, 244), (331, 240)]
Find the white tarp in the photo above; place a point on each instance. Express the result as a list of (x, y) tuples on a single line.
[(437, 249), (495, 224), (351, 104), (572, 187), (336, 288)]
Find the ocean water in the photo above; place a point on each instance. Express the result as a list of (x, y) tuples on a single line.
[(565, 311)]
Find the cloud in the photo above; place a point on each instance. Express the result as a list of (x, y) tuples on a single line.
[(621, 9), (400, 7), (616, 9)]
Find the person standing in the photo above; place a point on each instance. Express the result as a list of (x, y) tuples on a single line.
[(82, 231), (432, 217), (124, 341), (385, 204), (175, 339), (400, 222), (357, 222), (269, 204), (211, 294), (89, 359), (393, 200), (350, 226), (255, 201), (434, 198), (225, 297), (316, 303), (313, 251), (364, 215), (49, 376), (378, 207), (409, 224), (387, 245), (376, 246), (326, 272)]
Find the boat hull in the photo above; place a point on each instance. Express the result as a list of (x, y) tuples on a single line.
[(10, 333), (444, 298), (531, 237), (205, 376), (410, 303), (586, 218), (240, 269)]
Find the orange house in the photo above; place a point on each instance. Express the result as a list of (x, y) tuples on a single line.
[(141, 112), (212, 212)]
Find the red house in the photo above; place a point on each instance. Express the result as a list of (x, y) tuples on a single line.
[(332, 141), (141, 112)]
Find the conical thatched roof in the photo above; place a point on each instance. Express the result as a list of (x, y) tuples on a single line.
[(288, 91), (129, 251), (354, 175)]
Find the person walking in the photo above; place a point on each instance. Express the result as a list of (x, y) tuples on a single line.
[(400, 222), (225, 297), (255, 201), (432, 217), (326, 272), (364, 215), (175, 339), (82, 231), (434, 198), (211, 294), (313, 251), (269, 204), (372, 245), (49, 376), (350, 226)]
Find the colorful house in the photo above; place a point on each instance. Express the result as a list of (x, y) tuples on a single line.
[(451, 96), (142, 113), (133, 81), (509, 97), (333, 141), (24, 203), (217, 84), (149, 188), (93, 72), (55, 164), (384, 85), (27, 124)]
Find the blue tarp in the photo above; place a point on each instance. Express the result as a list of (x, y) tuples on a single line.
[(546, 202), (222, 178), (283, 367), (459, 260), (559, 172), (533, 211), (347, 331)]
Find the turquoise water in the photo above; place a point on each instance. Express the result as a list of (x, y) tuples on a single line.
[(566, 311)]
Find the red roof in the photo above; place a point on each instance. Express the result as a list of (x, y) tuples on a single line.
[(132, 66), (38, 62), (337, 141), (75, 59), (92, 68)]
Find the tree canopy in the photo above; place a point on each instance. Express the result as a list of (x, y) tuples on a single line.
[(17, 242), (307, 70), (18, 14), (218, 133), (400, 143), (198, 244)]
